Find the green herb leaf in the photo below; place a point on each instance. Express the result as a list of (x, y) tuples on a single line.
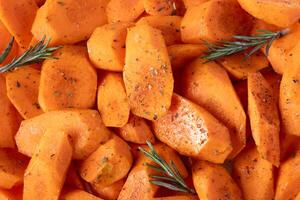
[(172, 179), (6, 51), (243, 43)]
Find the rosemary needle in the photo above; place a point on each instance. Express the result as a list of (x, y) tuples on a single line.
[(243, 43), (34, 54), (171, 178)]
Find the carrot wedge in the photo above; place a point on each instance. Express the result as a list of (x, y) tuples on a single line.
[(78, 194), (147, 73)]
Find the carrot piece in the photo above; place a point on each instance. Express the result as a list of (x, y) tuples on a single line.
[(113, 103), (68, 82), (282, 49), (178, 197), (289, 145), (147, 73), (78, 194), (84, 126), (212, 181), (215, 20), (298, 196), (240, 68), (18, 17), (283, 13), (274, 80), (192, 3), (168, 25), (73, 179), (13, 194), (22, 90), (288, 183), (192, 131), (110, 192), (124, 10), (181, 54), (254, 175), (40, 2), (137, 131), (262, 25), (241, 89), (137, 185), (13, 165), (10, 120), (208, 85), (159, 7), (264, 118), (109, 163), (289, 100), (47, 169), (69, 21), (106, 46), (5, 39)]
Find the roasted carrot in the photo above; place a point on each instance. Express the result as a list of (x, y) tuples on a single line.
[(213, 21), (106, 46), (73, 179), (124, 10), (46, 172), (10, 118), (212, 181), (18, 16), (40, 2), (178, 197), (22, 90), (208, 85), (5, 39), (254, 175), (68, 82), (193, 131), (113, 103), (240, 68), (69, 21), (137, 131), (264, 118), (182, 54), (78, 194), (283, 13), (85, 128), (147, 72), (110, 192), (13, 165), (109, 163), (288, 182), (13, 194), (168, 25), (191, 3)]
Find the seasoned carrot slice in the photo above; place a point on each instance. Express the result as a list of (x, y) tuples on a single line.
[(277, 12), (168, 25), (22, 90), (212, 181), (84, 126), (159, 7), (191, 3), (181, 54), (106, 46), (69, 21), (112, 100), (18, 16), (110, 192), (10, 119), (178, 197), (68, 82), (109, 163), (13, 194), (147, 72), (288, 183), (193, 131), (124, 10), (78, 194), (254, 175), (137, 131), (13, 165), (46, 172), (240, 68), (208, 85), (264, 118), (215, 20)]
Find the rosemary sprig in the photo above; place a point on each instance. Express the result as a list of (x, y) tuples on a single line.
[(34, 54), (243, 43), (172, 179)]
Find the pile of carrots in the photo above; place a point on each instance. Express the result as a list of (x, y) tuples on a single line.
[(130, 73)]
